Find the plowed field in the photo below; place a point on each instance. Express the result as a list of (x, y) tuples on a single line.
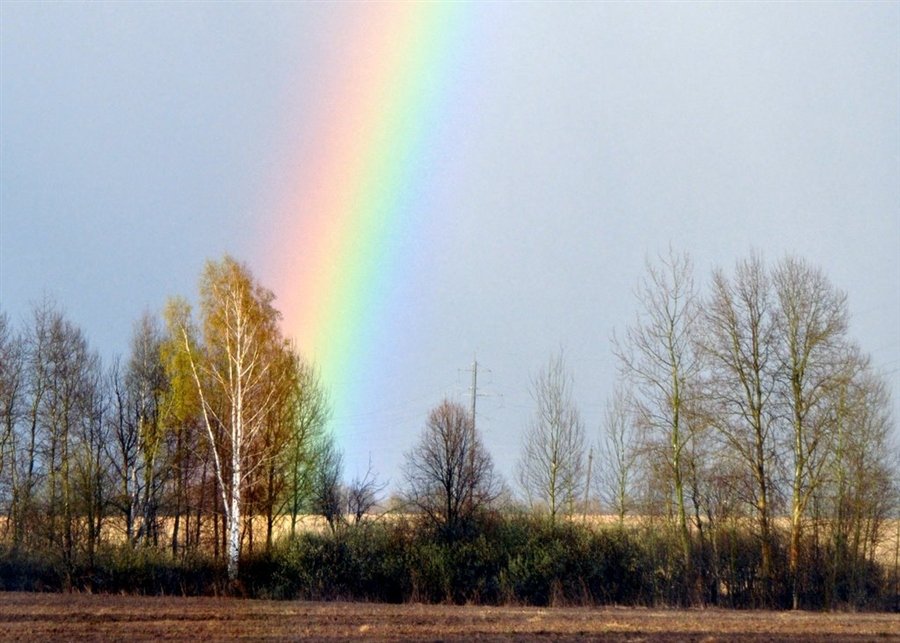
[(36, 617)]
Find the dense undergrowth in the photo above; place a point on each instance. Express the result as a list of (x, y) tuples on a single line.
[(496, 560)]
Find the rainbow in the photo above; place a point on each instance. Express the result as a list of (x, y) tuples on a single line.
[(352, 206)]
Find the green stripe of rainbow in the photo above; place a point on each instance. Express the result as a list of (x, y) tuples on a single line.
[(341, 248)]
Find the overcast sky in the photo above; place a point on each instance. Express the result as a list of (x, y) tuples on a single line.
[(139, 140)]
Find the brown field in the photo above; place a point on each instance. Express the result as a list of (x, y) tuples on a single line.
[(41, 617)]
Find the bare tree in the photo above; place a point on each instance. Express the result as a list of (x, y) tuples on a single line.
[(551, 468), (364, 494), (859, 487), (145, 383), (63, 375), (741, 388), (124, 451), (327, 490), (619, 452), (138, 448), (658, 358), (449, 474), (811, 321), (12, 389), (91, 461), (36, 373)]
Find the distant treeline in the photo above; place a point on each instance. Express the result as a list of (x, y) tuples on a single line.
[(746, 460)]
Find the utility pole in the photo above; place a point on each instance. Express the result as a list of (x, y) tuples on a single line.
[(474, 398), (475, 395), (474, 391), (472, 434)]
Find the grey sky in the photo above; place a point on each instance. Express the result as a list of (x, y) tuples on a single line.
[(140, 140)]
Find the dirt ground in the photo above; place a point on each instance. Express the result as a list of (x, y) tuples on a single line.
[(42, 617)]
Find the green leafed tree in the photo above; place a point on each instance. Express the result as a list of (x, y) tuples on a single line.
[(307, 414), (235, 380)]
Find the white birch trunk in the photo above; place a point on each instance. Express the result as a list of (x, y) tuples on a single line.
[(234, 520)]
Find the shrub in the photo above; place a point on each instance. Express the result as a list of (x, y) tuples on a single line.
[(516, 559)]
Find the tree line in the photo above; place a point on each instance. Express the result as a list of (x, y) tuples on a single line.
[(208, 422), (748, 404), (749, 442)]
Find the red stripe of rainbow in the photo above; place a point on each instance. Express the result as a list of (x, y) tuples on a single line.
[(356, 189)]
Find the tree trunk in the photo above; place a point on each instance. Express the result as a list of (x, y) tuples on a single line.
[(794, 554), (234, 520), (683, 533)]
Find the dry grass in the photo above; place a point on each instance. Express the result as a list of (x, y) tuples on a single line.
[(37, 617)]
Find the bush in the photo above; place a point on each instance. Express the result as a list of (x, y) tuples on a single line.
[(363, 562), (143, 570), (493, 559), (22, 571)]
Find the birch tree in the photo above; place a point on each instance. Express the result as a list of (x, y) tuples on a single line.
[(233, 378)]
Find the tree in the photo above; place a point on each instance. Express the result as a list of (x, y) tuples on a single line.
[(811, 321), (11, 400), (619, 454), (145, 382), (327, 490), (91, 462), (308, 413), (181, 418), (449, 475), (658, 358), (36, 340), (551, 468), (269, 484), (364, 494), (139, 449), (234, 378), (859, 489), (741, 384), (123, 450), (62, 401)]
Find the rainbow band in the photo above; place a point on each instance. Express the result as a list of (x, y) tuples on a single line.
[(350, 209)]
